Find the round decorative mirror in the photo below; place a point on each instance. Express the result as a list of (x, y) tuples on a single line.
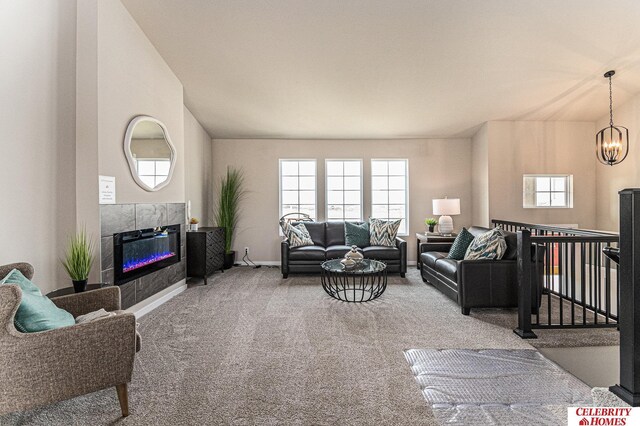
[(150, 153)]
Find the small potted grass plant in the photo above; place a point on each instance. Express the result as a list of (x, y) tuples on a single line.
[(431, 223), (78, 260)]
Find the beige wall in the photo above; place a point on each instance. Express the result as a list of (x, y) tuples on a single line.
[(198, 169), (611, 179), (133, 79), (37, 134), (437, 167), (531, 147), (121, 75), (480, 176)]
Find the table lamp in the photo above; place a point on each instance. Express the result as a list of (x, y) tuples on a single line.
[(444, 207)]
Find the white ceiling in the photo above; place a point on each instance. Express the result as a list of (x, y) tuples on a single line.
[(392, 68)]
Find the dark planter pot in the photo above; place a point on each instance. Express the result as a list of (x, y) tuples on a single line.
[(79, 286), (432, 228), (229, 260)]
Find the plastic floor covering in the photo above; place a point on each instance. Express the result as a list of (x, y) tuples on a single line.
[(495, 386)]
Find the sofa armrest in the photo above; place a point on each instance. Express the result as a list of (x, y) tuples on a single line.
[(107, 298), (487, 283), (443, 247), (402, 246), (284, 256)]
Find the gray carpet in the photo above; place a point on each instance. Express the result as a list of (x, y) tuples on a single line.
[(251, 348)]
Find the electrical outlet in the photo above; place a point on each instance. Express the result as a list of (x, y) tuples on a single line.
[(246, 251)]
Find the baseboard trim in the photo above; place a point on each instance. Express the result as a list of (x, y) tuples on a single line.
[(148, 305)]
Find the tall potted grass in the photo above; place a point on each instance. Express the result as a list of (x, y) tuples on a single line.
[(78, 260), (230, 194)]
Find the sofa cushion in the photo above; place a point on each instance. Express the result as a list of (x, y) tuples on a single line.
[(381, 253), (460, 245), (478, 230), (307, 253), (383, 232), (429, 258), (334, 234), (488, 246), (356, 234), (317, 232), (36, 312), (448, 268), (338, 251)]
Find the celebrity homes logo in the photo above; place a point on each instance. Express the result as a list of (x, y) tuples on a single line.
[(603, 416)]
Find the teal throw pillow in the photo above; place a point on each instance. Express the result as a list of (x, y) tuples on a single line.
[(488, 246), (356, 234), (383, 232), (460, 245), (36, 312)]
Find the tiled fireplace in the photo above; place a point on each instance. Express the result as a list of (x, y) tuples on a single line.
[(140, 278)]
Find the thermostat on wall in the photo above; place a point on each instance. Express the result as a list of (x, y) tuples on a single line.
[(107, 189)]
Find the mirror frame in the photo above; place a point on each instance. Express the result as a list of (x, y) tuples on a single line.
[(127, 151)]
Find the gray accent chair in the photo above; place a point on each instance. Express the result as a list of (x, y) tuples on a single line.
[(50, 366)]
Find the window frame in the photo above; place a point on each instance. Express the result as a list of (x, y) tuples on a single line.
[(568, 190), (406, 190), (315, 183), (326, 187)]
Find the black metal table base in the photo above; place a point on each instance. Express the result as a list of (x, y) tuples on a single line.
[(356, 287)]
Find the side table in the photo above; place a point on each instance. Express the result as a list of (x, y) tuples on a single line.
[(430, 237), (69, 290)]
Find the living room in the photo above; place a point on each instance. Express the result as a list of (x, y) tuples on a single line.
[(420, 101)]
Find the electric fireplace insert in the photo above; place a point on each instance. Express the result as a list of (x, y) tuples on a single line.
[(140, 252)]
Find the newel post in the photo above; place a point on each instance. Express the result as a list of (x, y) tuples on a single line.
[(524, 286), (629, 315)]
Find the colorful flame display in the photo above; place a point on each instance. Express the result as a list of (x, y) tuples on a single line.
[(132, 264)]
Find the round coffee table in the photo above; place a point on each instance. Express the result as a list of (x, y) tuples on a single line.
[(363, 283)]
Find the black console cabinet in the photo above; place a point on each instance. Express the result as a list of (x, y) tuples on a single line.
[(205, 252)]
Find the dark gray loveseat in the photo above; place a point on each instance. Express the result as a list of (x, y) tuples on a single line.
[(479, 283), (328, 239)]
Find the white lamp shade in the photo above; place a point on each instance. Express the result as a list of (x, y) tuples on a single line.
[(446, 206)]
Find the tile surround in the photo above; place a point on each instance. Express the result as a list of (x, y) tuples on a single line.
[(116, 218)]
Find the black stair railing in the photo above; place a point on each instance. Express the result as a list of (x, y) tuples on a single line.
[(575, 285)]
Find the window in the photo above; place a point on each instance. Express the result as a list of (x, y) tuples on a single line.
[(344, 189), (152, 171), (298, 187), (389, 183), (547, 191)]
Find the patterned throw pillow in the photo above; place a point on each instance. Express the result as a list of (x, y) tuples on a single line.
[(356, 234), (297, 235), (383, 232), (460, 245), (490, 245)]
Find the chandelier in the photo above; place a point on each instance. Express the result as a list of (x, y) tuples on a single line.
[(612, 142)]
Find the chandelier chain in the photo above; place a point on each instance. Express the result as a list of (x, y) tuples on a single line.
[(610, 103)]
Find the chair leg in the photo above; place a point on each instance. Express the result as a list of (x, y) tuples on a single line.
[(123, 397), (466, 311)]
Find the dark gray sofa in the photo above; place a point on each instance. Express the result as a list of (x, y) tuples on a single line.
[(479, 283), (328, 239)]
